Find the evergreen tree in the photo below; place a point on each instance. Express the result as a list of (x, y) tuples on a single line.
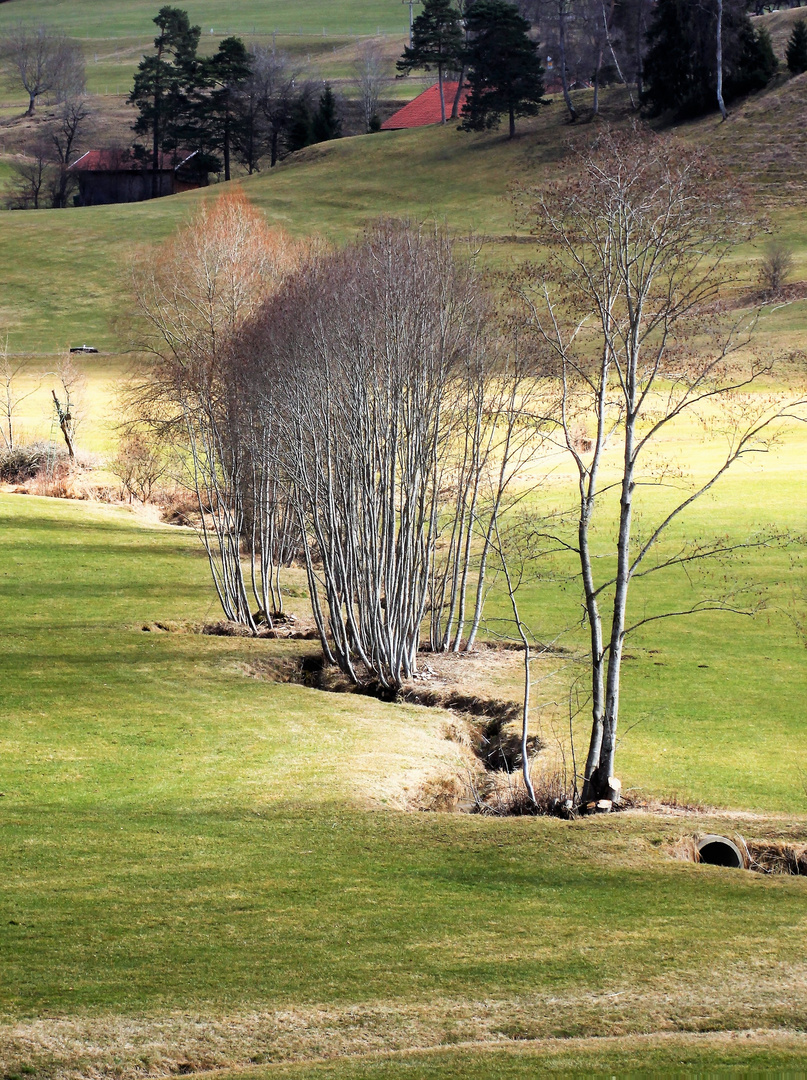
[(325, 123), (437, 41), (164, 83), (220, 117), (300, 133), (505, 76), (756, 63), (797, 48), (680, 69)]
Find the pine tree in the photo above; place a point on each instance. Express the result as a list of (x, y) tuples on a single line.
[(796, 55), (218, 110), (164, 83), (505, 76), (437, 40), (325, 123)]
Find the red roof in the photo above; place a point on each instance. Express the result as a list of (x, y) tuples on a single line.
[(125, 161), (425, 109)]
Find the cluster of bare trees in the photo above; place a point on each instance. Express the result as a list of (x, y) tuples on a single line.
[(378, 412), (593, 43), (50, 67), (363, 410)]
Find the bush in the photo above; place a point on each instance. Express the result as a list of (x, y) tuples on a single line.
[(776, 267), (24, 462)]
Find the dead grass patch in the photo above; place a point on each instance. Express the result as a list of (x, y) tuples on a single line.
[(753, 994)]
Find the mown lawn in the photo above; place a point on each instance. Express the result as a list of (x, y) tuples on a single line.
[(178, 836)]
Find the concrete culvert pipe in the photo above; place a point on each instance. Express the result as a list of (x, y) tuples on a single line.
[(720, 851)]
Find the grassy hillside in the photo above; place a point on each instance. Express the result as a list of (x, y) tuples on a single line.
[(107, 19), (65, 271), (202, 868)]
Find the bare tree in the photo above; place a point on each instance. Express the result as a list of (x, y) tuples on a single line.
[(65, 133), (47, 62), (139, 464), (68, 402), (268, 100), (372, 73), (719, 59), (639, 238), (776, 267), (12, 395), (33, 178), (194, 294), (562, 10)]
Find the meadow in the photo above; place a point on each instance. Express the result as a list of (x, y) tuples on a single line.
[(201, 868), (204, 868)]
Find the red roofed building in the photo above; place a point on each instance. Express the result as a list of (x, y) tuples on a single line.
[(117, 176), (425, 109)]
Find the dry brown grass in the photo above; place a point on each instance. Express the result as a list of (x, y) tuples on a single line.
[(753, 994)]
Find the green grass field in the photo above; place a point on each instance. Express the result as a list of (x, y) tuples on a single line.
[(205, 870), (66, 278), (181, 840), (94, 20)]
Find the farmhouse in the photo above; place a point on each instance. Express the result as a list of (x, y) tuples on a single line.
[(117, 176), (425, 108)]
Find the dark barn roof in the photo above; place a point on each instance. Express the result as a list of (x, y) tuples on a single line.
[(106, 161)]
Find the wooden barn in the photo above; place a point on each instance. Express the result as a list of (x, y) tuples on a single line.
[(425, 108), (117, 176)]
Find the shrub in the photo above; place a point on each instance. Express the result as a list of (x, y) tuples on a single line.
[(776, 267), (24, 462)]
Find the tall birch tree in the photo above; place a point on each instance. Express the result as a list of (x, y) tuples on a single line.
[(640, 237)]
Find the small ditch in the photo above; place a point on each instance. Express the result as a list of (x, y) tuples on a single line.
[(487, 729)]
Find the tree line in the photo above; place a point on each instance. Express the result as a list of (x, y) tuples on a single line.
[(679, 57), (252, 105)]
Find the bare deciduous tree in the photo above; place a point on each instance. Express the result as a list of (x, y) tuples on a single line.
[(12, 395), (139, 464), (640, 236), (776, 267), (46, 62), (194, 295), (33, 178), (65, 133), (68, 402), (372, 73)]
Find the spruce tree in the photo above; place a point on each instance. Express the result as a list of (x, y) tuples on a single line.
[(325, 123), (437, 40), (505, 76), (164, 83), (796, 55), (680, 68), (299, 133)]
